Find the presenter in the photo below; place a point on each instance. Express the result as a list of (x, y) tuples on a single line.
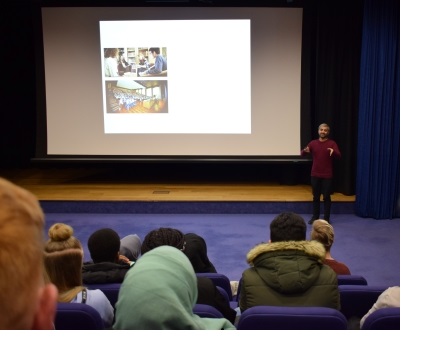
[(323, 151)]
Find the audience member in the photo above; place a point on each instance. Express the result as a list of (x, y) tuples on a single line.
[(111, 61), (107, 265), (196, 251), (130, 247), (288, 270), (391, 297), (208, 293), (27, 303), (63, 258), (159, 293), (324, 233)]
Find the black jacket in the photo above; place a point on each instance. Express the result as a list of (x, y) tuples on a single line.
[(104, 272), (208, 294)]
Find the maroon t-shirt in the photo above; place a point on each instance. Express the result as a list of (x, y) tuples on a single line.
[(339, 267)]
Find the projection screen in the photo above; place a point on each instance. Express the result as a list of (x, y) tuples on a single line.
[(230, 87)]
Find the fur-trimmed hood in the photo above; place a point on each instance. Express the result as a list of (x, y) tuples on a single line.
[(310, 248), (288, 267)]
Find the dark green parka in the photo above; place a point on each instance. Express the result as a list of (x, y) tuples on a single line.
[(288, 273)]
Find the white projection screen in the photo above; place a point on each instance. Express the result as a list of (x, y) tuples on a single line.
[(231, 87)]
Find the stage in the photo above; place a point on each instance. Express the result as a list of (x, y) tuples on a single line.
[(83, 188)]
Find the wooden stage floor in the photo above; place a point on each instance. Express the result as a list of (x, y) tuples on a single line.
[(118, 184)]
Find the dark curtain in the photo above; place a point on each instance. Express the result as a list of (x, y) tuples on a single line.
[(331, 95), (378, 165)]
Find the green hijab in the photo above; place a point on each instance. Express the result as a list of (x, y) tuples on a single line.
[(159, 293)]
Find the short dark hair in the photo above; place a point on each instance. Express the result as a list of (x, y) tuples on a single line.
[(155, 50), (104, 245), (163, 236), (288, 226)]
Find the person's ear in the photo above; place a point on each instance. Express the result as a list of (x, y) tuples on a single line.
[(47, 307)]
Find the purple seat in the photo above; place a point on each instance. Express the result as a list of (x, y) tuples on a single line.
[(291, 318), (111, 291), (352, 279), (206, 311), (76, 316), (356, 300), (384, 319), (219, 280)]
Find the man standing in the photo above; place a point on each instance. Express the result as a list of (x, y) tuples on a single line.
[(323, 150)]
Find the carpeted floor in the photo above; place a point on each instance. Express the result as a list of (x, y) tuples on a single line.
[(369, 247)]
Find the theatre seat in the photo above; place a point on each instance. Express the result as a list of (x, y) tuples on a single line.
[(383, 319), (206, 311), (353, 279), (221, 280), (76, 316), (111, 291), (291, 318)]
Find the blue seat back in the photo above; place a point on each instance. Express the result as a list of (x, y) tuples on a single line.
[(76, 316), (291, 318), (221, 280), (206, 311), (356, 300), (111, 291), (384, 319), (352, 279)]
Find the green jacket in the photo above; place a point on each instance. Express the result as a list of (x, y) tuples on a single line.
[(288, 273)]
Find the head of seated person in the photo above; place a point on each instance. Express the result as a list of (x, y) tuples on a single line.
[(196, 251), (27, 302), (63, 258), (208, 293), (159, 293), (163, 236), (104, 246)]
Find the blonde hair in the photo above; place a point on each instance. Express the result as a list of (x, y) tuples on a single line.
[(21, 255), (63, 261), (323, 232)]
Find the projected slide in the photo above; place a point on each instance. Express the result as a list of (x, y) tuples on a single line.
[(158, 81)]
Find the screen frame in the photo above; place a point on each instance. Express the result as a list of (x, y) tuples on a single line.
[(41, 155)]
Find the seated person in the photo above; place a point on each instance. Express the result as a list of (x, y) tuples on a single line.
[(288, 270), (27, 302), (159, 293), (143, 64), (130, 247), (323, 232), (391, 297), (63, 258), (108, 265), (196, 251), (208, 293), (123, 65), (160, 63)]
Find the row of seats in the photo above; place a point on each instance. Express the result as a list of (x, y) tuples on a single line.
[(304, 318), (75, 316), (356, 299), (222, 281)]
